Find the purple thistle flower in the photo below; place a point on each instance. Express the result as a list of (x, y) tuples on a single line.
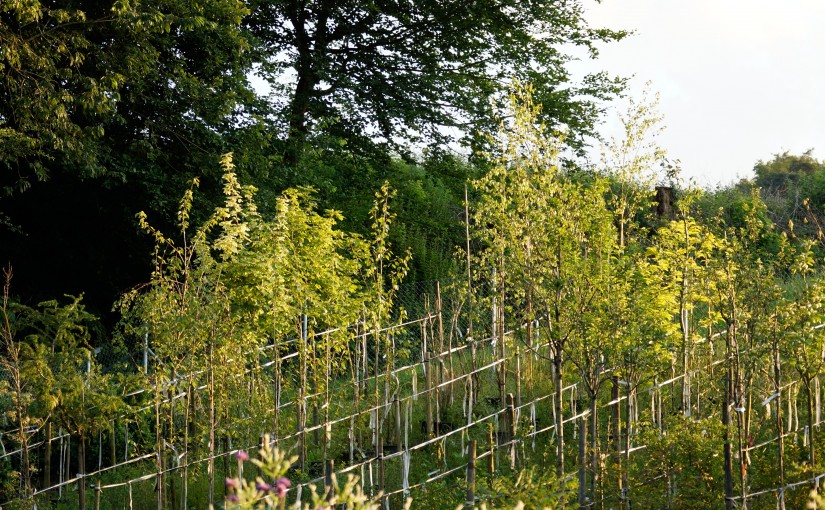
[(242, 456), (232, 498), (231, 483), (263, 486), (281, 486)]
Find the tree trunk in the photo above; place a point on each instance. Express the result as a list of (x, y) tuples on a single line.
[(811, 443), (617, 437), (212, 425), (557, 386), (583, 463), (726, 401), (25, 471), (502, 349), (780, 428), (684, 322), (626, 470), (158, 443), (595, 459), (81, 468), (307, 80), (474, 377), (47, 460)]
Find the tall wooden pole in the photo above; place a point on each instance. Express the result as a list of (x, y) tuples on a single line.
[(469, 500), (470, 339)]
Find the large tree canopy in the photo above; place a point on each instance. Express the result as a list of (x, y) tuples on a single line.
[(91, 87), (116, 104), (109, 107), (45, 87), (399, 69)]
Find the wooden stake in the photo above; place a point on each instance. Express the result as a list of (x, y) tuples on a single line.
[(441, 365), (397, 407), (469, 501), (81, 467), (329, 479), (511, 429), (428, 365), (47, 461), (302, 397), (492, 452), (582, 462)]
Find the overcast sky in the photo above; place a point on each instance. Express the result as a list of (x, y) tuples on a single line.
[(739, 80)]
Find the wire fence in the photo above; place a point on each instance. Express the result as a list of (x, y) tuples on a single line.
[(432, 391)]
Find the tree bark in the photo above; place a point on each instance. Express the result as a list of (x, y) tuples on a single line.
[(81, 468), (811, 443), (557, 386), (726, 401), (780, 429), (583, 463)]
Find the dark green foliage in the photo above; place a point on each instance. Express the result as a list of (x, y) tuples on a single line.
[(429, 203), (48, 87), (785, 170), (50, 374), (682, 467), (742, 207), (102, 87), (116, 105), (403, 71)]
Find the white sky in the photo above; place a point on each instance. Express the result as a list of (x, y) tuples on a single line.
[(739, 80)]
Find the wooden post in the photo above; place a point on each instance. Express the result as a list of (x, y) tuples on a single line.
[(469, 501), (780, 428), (470, 339), (113, 444), (441, 364), (327, 425), (595, 455), (365, 362), (47, 460), (65, 457), (379, 451), (189, 450), (171, 499), (492, 452), (99, 467), (498, 333), (212, 427), (397, 422), (518, 374), (617, 435), (81, 467), (159, 439), (276, 392), (511, 429), (502, 350), (435, 381), (558, 404), (428, 365), (302, 398), (329, 479), (582, 463), (727, 454), (530, 334)]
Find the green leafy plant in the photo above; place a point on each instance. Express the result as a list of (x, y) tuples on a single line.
[(269, 490)]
